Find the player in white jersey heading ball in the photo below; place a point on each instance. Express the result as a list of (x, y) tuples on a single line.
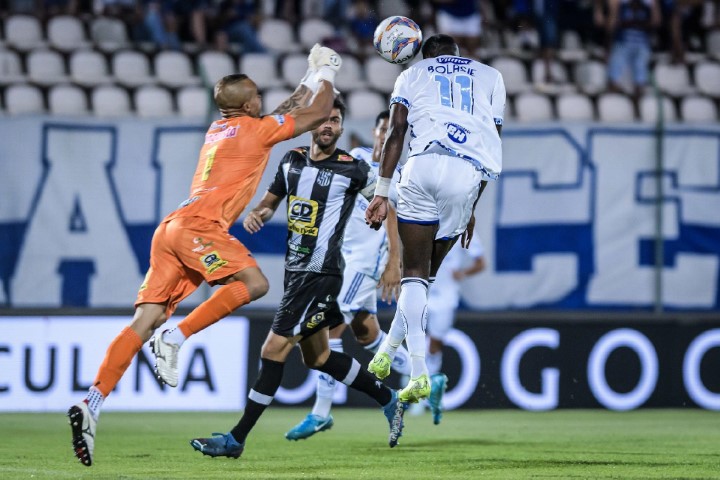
[(454, 107)]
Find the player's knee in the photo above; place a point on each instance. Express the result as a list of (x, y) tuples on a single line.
[(316, 361), (258, 286), (365, 328)]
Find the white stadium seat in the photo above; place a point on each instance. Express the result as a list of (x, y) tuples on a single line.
[(514, 74), (615, 108), (363, 104), (46, 67), (673, 79), (67, 100), (533, 107), (174, 69), (212, 66), (89, 68), (698, 109), (153, 101), (23, 99), (591, 77), (293, 68), (262, 68), (194, 102), (650, 109), (707, 78), (110, 101), (23, 32), (273, 97), (574, 107), (314, 30), (350, 76), (557, 71), (66, 33), (132, 68), (381, 75), (10, 67), (277, 35), (109, 34)]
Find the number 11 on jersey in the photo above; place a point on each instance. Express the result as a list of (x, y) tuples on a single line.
[(466, 91)]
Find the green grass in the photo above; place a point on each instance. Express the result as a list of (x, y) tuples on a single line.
[(592, 444)]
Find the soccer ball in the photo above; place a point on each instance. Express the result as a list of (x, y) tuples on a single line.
[(397, 39)]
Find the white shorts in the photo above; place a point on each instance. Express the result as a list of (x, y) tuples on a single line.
[(441, 312), (438, 189), (357, 294), (459, 26)]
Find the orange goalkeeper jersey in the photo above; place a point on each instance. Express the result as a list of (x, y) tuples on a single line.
[(231, 164)]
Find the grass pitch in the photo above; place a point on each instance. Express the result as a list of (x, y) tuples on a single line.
[(504, 444)]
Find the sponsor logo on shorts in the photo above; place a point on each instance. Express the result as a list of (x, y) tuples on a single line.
[(201, 244), (302, 214), (456, 133), (316, 319), (212, 261)]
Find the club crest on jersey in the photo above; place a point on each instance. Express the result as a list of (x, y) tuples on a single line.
[(323, 178), (456, 133), (345, 158), (212, 261), (302, 214)]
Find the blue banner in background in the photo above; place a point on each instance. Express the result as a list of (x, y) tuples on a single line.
[(571, 223)]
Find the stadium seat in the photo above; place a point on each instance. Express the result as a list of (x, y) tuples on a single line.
[(293, 68), (24, 32), (132, 68), (22, 99), (712, 43), (10, 67), (194, 102), (46, 67), (707, 78), (591, 77), (262, 68), (153, 101), (533, 107), (673, 79), (273, 97), (350, 76), (110, 101), (363, 104), (212, 66), (571, 47), (698, 109), (557, 71), (514, 74), (314, 30), (67, 100), (381, 75), (66, 33), (574, 107), (89, 68), (109, 34), (389, 8), (650, 110), (174, 69), (615, 108), (277, 35)]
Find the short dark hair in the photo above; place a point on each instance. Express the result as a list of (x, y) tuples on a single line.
[(384, 115), (340, 105), (439, 44)]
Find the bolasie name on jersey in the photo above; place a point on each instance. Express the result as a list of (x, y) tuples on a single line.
[(450, 65)]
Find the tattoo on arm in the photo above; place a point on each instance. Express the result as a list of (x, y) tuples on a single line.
[(300, 98)]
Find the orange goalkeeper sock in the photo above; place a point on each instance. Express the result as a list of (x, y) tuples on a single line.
[(222, 303), (117, 359)]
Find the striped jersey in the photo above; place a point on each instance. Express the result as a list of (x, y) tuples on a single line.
[(366, 250), (320, 198), (454, 105)]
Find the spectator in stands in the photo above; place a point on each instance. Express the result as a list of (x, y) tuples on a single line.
[(683, 26), (548, 12), (362, 22), (462, 20), (164, 20), (238, 22), (629, 26)]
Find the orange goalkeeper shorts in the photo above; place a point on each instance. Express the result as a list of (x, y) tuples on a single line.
[(184, 252)]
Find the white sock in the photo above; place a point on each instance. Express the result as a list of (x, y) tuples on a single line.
[(94, 402), (394, 337), (174, 336), (434, 362), (401, 359), (412, 306), (326, 386)]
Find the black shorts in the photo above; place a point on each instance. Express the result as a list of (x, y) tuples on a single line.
[(309, 304)]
